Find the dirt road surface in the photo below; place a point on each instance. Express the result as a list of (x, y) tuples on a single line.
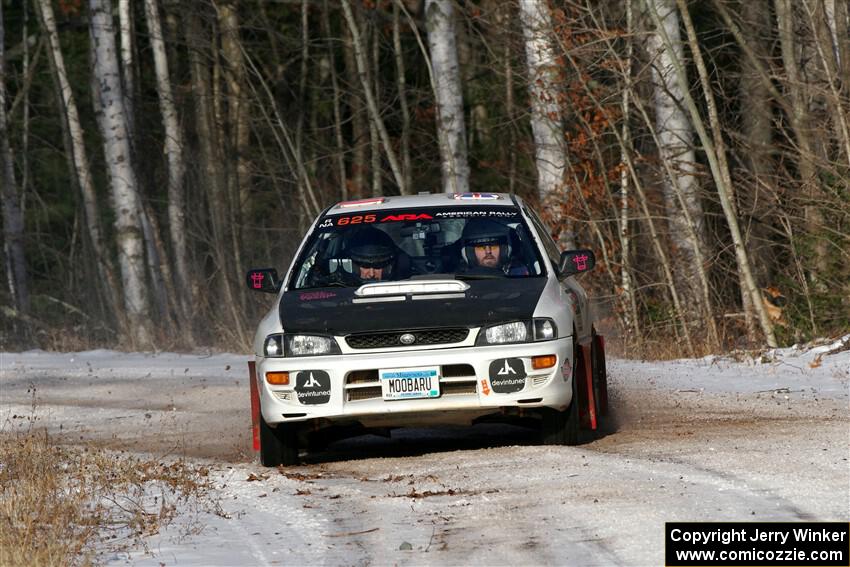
[(697, 441)]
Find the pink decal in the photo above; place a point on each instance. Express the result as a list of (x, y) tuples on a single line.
[(309, 296), (257, 278), (581, 262)]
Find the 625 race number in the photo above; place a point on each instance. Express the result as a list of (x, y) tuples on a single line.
[(357, 219)]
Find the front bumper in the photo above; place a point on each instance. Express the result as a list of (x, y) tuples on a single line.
[(465, 385)]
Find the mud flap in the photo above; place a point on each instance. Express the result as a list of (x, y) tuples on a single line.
[(584, 381), (602, 373), (255, 404)]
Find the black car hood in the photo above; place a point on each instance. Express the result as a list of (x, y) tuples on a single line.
[(332, 311)]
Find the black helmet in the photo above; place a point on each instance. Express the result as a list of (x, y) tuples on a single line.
[(482, 232), (372, 248)]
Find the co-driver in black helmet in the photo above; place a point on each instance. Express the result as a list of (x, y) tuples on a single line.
[(372, 254), (487, 248)]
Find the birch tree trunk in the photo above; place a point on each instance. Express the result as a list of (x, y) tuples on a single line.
[(125, 25), (173, 149), (13, 218), (451, 128), (80, 165), (675, 134), (629, 305), (546, 120), (123, 182)]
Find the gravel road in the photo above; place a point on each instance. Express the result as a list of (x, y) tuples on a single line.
[(674, 450)]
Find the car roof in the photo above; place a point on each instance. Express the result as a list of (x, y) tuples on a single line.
[(423, 200)]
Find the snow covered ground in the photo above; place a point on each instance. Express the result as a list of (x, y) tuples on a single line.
[(708, 439)]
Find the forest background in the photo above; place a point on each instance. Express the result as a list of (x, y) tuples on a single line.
[(153, 150)]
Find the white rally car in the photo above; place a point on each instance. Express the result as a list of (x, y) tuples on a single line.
[(425, 310)]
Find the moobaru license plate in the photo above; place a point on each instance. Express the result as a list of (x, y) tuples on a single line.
[(408, 383)]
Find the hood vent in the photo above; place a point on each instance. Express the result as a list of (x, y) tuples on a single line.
[(411, 288)]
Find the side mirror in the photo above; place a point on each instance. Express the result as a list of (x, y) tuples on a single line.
[(263, 279), (576, 262)]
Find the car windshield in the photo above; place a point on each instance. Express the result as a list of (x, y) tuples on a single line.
[(348, 250)]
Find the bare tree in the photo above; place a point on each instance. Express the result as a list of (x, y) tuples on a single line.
[(238, 194), (546, 124), (357, 112), (128, 67), (675, 147), (451, 129), (716, 154), (123, 181), (80, 165), (401, 85), (809, 151), (371, 104), (339, 157), (173, 149), (207, 115), (13, 218)]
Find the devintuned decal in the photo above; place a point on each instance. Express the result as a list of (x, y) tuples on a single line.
[(313, 387), (507, 375)]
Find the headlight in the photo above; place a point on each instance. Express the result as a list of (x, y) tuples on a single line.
[(507, 333), (273, 346), (540, 329), (544, 330), (310, 345)]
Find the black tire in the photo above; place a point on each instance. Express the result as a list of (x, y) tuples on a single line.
[(561, 427), (278, 446)]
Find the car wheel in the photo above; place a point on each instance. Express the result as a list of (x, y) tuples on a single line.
[(561, 427), (278, 446)]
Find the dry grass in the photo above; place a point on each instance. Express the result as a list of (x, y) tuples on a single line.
[(64, 505)]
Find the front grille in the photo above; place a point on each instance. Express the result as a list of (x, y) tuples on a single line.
[(362, 377), (457, 370), (391, 339), (364, 393), (450, 388)]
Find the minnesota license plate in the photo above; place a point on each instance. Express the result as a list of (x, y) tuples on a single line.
[(408, 383)]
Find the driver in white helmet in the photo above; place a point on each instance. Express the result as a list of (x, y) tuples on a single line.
[(487, 248)]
